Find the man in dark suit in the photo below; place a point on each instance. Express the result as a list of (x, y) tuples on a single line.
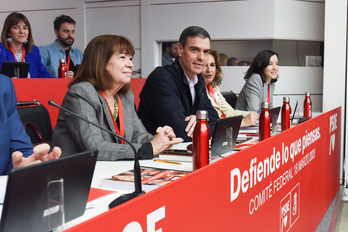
[(172, 94)]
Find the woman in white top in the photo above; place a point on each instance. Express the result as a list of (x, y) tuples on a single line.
[(212, 78)]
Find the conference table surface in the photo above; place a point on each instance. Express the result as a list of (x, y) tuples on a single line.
[(105, 169)]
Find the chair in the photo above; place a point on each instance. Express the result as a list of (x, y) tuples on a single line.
[(36, 120), (230, 97)]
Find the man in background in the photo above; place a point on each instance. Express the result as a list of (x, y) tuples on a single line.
[(232, 61), (169, 52), (64, 29), (172, 94)]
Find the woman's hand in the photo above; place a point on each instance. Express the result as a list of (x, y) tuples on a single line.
[(251, 119), (164, 139)]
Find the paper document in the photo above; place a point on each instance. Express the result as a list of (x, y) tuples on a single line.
[(181, 146)]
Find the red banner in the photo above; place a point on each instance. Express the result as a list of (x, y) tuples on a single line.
[(284, 183)]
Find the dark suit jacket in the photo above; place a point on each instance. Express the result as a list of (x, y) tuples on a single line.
[(36, 69), (74, 135), (12, 134), (166, 100)]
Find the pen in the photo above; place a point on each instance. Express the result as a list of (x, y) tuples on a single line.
[(259, 111), (165, 161), (250, 134)]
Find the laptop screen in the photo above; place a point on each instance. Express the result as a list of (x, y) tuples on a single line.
[(225, 135), (29, 192), (15, 69)]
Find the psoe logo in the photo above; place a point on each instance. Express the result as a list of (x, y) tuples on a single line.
[(290, 209), (332, 128), (285, 213)]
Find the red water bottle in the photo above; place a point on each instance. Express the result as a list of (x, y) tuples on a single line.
[(264, 122), (286, 111), (201, 137), (62, 68), (307, 106)]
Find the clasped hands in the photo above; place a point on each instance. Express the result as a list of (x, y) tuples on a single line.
[(164, 139)]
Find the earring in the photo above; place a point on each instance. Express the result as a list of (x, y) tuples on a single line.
[(9, 40), (26, 42)]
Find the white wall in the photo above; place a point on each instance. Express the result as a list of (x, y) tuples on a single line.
[(291, 52), (334, 93), (164, 20), (299, 20), (291, 84), (115, 17)]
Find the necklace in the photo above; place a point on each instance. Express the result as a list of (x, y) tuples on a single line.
[(115, 113)]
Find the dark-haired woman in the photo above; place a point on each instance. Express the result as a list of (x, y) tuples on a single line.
[(260, 82), (100, 92), (17, 44)]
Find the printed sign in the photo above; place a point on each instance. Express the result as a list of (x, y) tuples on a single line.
[(265, 187)]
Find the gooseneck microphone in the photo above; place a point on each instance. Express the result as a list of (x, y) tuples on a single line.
[(137, 176)]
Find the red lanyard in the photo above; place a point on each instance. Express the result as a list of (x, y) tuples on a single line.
[(120, 116), (14, 54), (68, 62), (211, 94), (268, 96)]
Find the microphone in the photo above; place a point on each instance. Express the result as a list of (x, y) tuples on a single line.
[(137, 176)]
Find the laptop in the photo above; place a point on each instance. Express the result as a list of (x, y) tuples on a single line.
[(223, 139), (274, 112), (15, 69), (225, 135), (27, 206)]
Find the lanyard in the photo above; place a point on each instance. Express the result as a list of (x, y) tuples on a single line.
[(268, 96), (68, 62), (120, 116), (14, 54), (211, 94)]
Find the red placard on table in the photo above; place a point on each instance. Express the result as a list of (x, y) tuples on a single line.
[(284, 183)]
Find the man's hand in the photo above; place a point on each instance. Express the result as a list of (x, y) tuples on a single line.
[(39, 155), (70, 74), (190, 125), (164, 139)]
